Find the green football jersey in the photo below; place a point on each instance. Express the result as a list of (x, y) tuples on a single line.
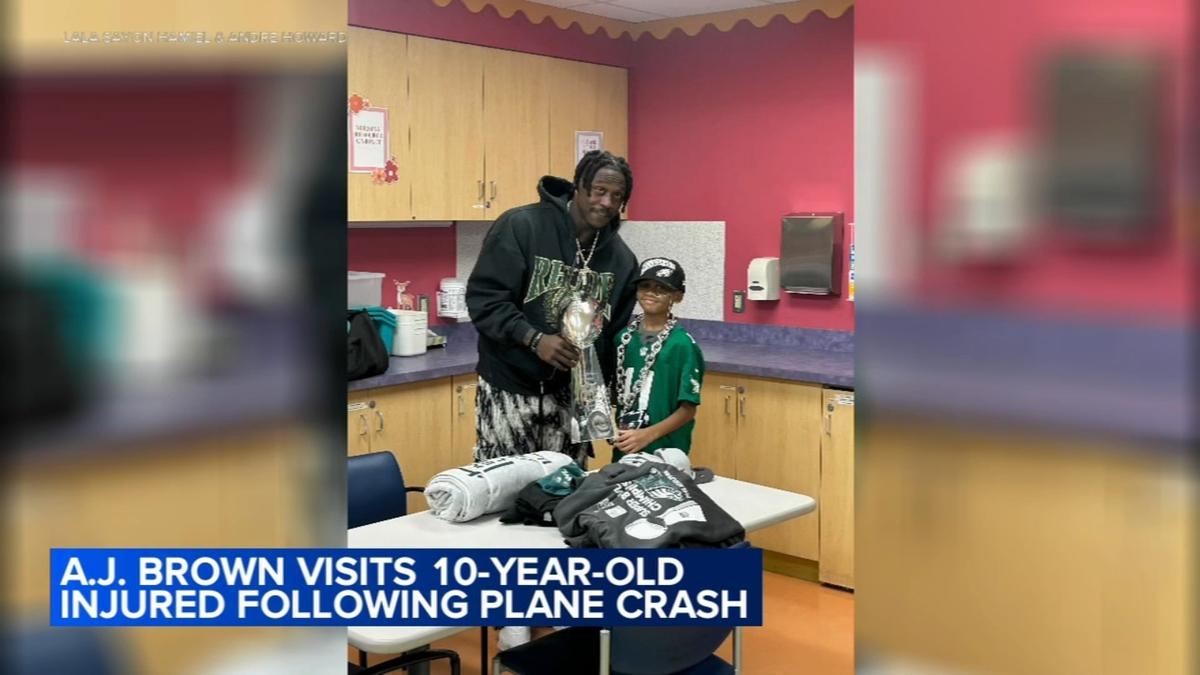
[(676, 377)]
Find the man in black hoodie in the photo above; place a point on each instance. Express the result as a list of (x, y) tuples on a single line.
[(535, 259)]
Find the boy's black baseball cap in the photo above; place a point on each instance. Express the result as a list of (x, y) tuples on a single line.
[(665, 271)]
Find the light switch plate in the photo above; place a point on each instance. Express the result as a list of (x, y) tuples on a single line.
[(739, 302)]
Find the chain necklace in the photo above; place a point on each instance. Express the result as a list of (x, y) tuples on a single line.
[(583, 260), (628, 394), (580, 259)]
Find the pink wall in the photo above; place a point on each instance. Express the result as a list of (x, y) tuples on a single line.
[(975, 68), (772, 108), (423, 256), (133, 128), (744, 127)]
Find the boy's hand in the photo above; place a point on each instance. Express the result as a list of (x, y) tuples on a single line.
[(558, 352), (630, 441)]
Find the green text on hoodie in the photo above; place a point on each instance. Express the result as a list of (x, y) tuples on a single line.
[(523, 280)]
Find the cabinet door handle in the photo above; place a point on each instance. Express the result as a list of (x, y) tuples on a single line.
[(379, 415), (742, 406), (461, 390), (826, 421), (362, 425), (493, 183), (728, 396), (479, 187)]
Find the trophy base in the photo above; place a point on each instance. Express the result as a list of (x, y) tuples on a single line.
[(593, 426)]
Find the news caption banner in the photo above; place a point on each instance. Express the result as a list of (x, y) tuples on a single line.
[(405, 587)]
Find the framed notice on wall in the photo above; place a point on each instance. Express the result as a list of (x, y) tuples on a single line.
[(586, 141), (368, 142)]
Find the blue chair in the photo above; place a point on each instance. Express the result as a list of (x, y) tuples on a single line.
[(31, 649), (375, 489), (376, 492), (625, 651)]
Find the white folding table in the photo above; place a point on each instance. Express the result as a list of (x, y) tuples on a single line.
[(754, 506)]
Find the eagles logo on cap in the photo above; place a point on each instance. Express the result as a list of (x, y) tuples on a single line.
[(665, 271)]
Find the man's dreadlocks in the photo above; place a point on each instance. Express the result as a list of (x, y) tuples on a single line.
[(595, 160)]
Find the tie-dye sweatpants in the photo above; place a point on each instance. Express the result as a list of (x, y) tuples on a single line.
[(515, 424)]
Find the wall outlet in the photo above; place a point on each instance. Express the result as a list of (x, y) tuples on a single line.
[(739, 302)]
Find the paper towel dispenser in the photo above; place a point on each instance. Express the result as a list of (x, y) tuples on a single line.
[(811, 253)]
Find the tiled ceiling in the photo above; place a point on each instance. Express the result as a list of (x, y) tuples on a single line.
[(636, 11)]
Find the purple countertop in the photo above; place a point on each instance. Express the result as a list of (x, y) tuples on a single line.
[(122, 418), (1092, 377), (1079, 376), (257, 382), (457, 357), (263, 383), (835, 369), (821, 357)]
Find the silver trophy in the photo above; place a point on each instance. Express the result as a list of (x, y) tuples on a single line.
[(591, 410)]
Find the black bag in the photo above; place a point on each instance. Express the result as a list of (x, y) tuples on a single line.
[(42, 382), (366, 355)]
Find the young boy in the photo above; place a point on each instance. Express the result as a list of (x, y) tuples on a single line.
[(659, 367)]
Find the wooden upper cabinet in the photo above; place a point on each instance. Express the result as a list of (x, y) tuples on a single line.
[(377, 68), (586, 97), (516, 114), (446, 130), (474, 128)]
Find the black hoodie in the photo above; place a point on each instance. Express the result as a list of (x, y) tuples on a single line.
[(524, 277)]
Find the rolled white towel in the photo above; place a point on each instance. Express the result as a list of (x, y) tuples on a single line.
[(468, 492), (673, 456)]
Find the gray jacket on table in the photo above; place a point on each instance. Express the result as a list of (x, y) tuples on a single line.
[(649, 506)]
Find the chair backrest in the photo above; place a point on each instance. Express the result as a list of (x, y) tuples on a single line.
[(37, 650), (655, 651), (668, 649), (374, 489)]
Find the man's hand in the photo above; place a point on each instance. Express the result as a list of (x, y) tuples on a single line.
[(630, 441), (557, 351)]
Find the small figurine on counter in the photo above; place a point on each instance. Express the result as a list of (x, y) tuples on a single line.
[(404, 300)]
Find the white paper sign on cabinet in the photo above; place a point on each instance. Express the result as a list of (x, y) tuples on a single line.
[(368, 140), (586, 141)]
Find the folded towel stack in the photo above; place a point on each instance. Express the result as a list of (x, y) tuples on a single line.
[(468, 492)]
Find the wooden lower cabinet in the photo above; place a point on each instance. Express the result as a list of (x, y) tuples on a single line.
[(836, 495), (463, 424), (255, 488), (772, 432), (412, 422), (716, 425), (768, 432), (1045, 552), (779, 445)]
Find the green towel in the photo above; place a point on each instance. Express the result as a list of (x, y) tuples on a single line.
[(561, 482)]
